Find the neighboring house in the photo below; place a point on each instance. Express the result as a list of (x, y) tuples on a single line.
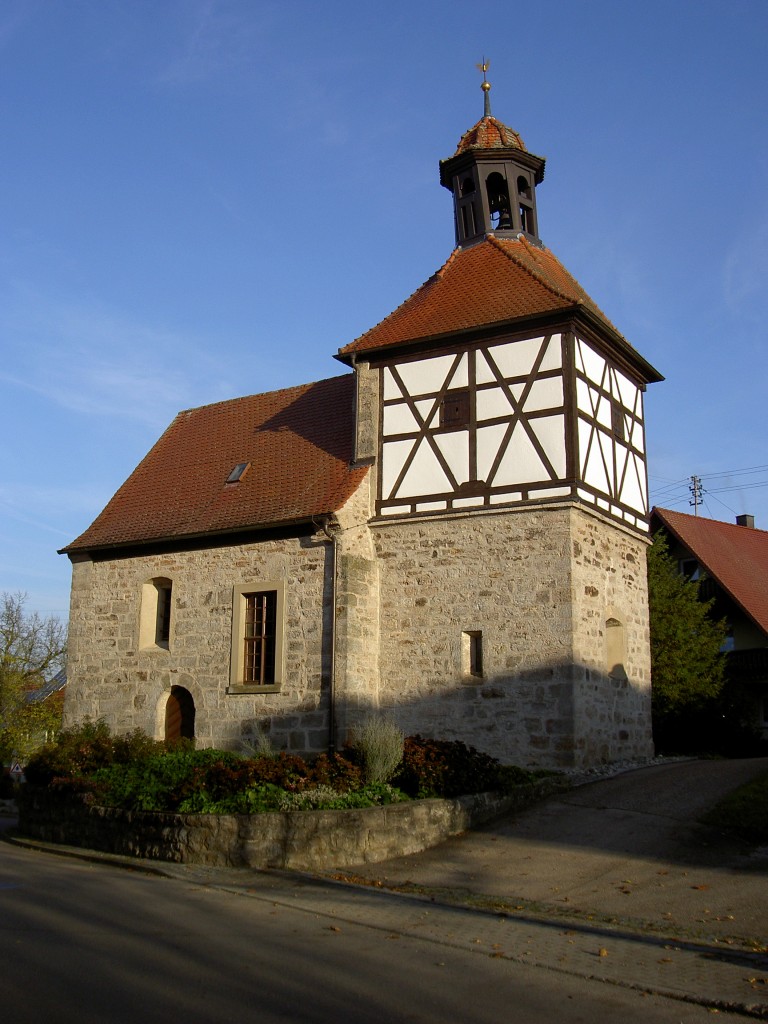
[(454, 533), (731, 564)]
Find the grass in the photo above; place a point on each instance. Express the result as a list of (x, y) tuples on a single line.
[(744, 812)]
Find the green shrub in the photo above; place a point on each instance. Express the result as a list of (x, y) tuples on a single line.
[(83, 749), (327, 798)]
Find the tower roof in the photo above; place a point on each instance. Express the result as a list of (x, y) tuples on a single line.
[(489, 133), (494, 282)]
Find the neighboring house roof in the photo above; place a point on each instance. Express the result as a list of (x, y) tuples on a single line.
[(735, 556), (54, 685), (496, 281), (299, 445)]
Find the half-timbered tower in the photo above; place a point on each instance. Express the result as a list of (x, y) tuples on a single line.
[(453, 534), (503, 414)]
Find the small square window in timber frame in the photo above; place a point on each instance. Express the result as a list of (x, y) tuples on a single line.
[(454, 410)]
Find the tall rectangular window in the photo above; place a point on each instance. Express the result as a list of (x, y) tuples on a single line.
[(260, 638), (256, 659)]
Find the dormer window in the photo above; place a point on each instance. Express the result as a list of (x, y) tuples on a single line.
[(238, 472)]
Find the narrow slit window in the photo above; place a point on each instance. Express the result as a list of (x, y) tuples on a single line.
[(472, 653)]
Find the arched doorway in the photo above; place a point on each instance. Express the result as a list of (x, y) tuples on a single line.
[(179, 715)]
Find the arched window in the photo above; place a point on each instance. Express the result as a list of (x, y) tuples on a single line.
[(155, 623), (525, 205), (498, 201)]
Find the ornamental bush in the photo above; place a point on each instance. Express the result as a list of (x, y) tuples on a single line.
[(447, 768), (136, 773)]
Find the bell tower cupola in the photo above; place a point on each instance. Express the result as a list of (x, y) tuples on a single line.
[(493, 179)]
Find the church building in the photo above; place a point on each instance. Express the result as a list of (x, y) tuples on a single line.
[(452, 532)]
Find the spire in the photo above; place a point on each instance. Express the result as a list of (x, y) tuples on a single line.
[(486, 87), (493, 179)]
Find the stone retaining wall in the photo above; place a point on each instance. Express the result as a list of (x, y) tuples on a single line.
[(299, 840)]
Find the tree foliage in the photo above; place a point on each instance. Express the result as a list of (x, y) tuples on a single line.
[(32, 651), (687, 666)]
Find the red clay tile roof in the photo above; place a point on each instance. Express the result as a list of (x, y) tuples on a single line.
[(736, 556), (489, 133), (495, 281), (299, 444)]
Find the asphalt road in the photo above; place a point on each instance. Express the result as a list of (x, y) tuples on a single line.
[(86, 942)]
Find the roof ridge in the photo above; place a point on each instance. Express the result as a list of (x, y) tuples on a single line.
[(707, 519), (436, 276), (257, 394), (530, 271)]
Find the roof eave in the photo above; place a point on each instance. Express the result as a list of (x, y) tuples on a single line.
[(86, 550), (575, 311)]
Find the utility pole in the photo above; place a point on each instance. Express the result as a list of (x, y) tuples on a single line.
[(695, 488)]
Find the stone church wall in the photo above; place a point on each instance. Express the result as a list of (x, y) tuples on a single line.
[(111, 676), (544, 696)]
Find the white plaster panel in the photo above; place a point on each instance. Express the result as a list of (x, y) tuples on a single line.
[(431, 506), (545, 394), (636, 435), (633, 492), (592, 364), (516, 357), (550, 431), (603, 411), (492, 403), (626, 389), (549, 492), (467, 502), (393, 456), (553, 357), (425, 475), (505, 497), (455, 450), (582, 396), (609, 456), (398, 419), (426, 375), (391, 389), (592, 467), (427, 409), (488, 441), (521, 461)]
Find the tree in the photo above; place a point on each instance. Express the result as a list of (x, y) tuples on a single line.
[(32, 651), (687, 664)]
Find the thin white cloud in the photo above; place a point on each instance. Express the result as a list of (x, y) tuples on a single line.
[(101, 364), (216, 37)]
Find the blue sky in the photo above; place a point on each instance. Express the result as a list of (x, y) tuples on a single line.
[(202, 199)]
